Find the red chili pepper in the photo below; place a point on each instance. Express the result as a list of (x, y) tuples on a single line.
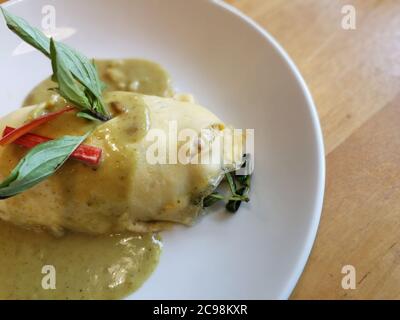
[(14, 135), (88, 154)]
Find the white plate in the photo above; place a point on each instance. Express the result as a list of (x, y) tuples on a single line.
[(241, 73)]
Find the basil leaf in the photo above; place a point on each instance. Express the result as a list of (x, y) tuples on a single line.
[(231, 182), (233, 206), (241, 195), (211, 199), (29, 34), (87, 116), (39, 163), (239, 187), (82, 69), (235, 201), (244, 180), (85, 72), (68, 87)]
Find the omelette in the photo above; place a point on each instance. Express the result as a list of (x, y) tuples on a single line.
[(126, 191)]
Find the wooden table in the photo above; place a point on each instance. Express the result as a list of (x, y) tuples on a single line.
[(354, 76)]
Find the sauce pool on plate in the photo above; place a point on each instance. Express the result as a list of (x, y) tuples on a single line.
[(84, 267)]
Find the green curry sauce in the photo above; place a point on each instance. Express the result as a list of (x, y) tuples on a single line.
[(78, 266)]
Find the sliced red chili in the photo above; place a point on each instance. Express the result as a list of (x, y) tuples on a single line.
[(15, 134), (85, 153)]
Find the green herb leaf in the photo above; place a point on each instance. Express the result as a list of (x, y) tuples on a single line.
[(231, 182), (241, 195), (212, 199), (82, 69), (239, 186), (29, 34), (233, 206), (244, 180), (68, 87), (235, 201), (85, 72), (39, 163), (86, 115)]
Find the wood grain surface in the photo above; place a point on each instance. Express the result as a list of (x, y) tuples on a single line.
[(354, 76)]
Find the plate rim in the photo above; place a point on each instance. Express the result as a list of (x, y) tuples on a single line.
[(319, 199)]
